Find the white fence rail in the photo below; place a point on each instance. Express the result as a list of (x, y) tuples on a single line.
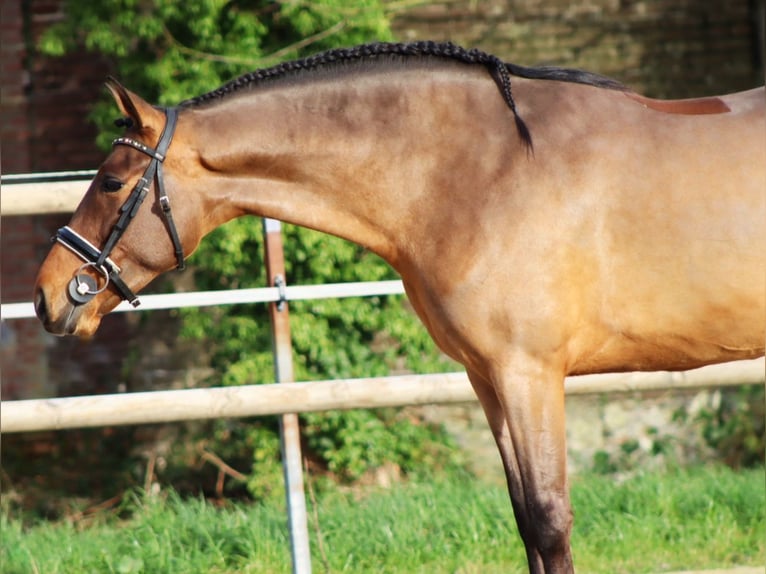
[(234, 296), (43, 193), (273, 399)]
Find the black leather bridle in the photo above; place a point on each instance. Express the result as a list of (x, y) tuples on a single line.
[(83, 287)]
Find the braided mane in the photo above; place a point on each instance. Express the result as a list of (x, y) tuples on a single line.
[(499, 70)]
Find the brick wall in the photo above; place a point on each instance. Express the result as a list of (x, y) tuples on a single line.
[(14, 80), (44, 104), (21, 345), (666, 48)]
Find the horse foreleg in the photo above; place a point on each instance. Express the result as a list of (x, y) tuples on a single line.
[(525, 410), (501, 432)]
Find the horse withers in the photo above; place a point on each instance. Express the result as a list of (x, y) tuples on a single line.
[(545, 222)]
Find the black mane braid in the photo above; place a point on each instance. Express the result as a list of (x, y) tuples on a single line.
[(499, 70)]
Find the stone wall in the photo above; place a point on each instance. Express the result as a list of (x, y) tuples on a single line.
[(619, 433), (664, 48)]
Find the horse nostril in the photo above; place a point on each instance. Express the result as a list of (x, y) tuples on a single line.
[(41, 308)]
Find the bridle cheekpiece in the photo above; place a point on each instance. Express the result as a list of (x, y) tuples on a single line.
[(82, 288)]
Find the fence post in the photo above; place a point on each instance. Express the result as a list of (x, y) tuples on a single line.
[(288, 423)]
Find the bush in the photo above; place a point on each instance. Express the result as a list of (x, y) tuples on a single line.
[(736, 427)]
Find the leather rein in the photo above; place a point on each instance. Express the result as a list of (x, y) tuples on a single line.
[(83, 287)]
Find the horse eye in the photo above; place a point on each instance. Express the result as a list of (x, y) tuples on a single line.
[(111, 184)]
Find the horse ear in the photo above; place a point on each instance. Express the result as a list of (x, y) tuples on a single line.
[(133, 106)]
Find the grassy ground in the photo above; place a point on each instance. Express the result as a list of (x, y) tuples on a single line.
[(685, 519)]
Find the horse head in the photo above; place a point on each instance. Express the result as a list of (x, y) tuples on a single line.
[(124, 233)]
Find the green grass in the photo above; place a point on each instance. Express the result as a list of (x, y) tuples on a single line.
[(699, 518)]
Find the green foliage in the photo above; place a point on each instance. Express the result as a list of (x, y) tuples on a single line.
[(355, 442), (736, 426), (332, 338), (171, 50), (603, 463)]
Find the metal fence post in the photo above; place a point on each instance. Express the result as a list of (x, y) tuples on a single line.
[(289, 429)]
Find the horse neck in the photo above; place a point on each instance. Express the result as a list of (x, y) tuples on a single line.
[(356, 159)]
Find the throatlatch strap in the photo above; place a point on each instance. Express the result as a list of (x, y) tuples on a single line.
[(172, 114)]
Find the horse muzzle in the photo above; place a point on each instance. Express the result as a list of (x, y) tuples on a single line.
[(65, 317)]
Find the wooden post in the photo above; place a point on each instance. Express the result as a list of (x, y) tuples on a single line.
[(289, 429)]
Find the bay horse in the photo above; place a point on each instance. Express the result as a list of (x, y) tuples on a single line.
[(545, 222)]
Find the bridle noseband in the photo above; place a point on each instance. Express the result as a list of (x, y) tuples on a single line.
[(82, 288)]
